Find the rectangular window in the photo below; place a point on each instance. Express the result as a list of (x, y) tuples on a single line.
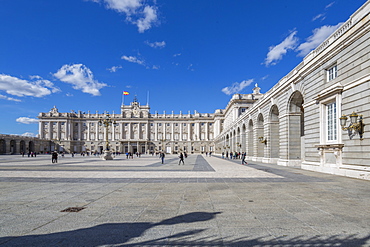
[(332, 73), (331, 114)]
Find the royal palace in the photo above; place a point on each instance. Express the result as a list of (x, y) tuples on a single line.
[(317, 117)]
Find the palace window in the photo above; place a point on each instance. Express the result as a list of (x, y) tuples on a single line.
[(332, 73), (331, 124), (330, 109)]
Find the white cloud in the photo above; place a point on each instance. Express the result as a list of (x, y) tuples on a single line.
[(150, 16), (155, 67), (9, 98), (19, 87), (133, 59), (329, 5), (137, 12), (319, 16), (114, 68), (318, 36), (276, 52), (236, 87), (80, 77), (176, 55), (190, 67), (156, 44), (29, 134), (27, 120)]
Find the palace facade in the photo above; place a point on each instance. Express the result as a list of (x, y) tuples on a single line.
[(135, 129)]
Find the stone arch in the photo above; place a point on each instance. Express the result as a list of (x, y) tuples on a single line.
[(227, 142), (22, 147), (243, 138), (13, 147), (274, 141), (31, 146), (250, 138), (238, 140), (2, 146), (295, 125), (260, 133)]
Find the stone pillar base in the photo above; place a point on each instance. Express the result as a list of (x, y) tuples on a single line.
[(107, 155)]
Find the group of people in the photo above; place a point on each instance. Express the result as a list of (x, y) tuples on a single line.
[(130, 155), (181, 157), (30, 154), (235, 155)]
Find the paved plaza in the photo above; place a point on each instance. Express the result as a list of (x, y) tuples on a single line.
[(209, 201)]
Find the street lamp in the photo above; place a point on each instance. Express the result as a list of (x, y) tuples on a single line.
[(106, 122)]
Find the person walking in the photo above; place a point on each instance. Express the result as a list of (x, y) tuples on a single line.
[(181, 159), (161, 156), (54, 157), (243, 159)]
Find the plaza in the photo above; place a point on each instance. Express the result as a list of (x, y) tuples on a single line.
[(209, 201)]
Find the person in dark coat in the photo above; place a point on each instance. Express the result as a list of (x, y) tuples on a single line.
[(162, 155), (181, 159), (54, 157)]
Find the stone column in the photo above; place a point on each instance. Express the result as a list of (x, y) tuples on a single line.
[(121, 127), (129, 131), (155, 131), (180, 137), (97, 131), (113, 132), (164, 131), (206, 131), (88, 131), (189, 132), (172, 131), (79, 131), (41, 130), (50, 130)]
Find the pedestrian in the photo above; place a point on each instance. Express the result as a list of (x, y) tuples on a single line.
[(161, 156), (181, 159), (54, 157), (243, 159)]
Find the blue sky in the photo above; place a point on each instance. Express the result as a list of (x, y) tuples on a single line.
[(188, 54)]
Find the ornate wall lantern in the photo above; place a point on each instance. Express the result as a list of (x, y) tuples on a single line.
[(355, 127), (262, 140)]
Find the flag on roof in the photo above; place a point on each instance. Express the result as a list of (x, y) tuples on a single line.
[(125, 93)]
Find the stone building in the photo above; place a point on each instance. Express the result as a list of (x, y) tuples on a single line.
[(297, 122), (15, 144), (135, 129)]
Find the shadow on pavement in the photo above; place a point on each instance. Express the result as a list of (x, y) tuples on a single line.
[(119, 234), (105, 234)]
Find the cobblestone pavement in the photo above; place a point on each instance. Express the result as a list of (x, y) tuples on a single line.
[(209, 201)]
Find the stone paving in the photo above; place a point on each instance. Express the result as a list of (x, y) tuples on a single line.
[(209, 201)]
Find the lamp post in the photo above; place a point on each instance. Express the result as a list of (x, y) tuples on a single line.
[(106, 122)]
